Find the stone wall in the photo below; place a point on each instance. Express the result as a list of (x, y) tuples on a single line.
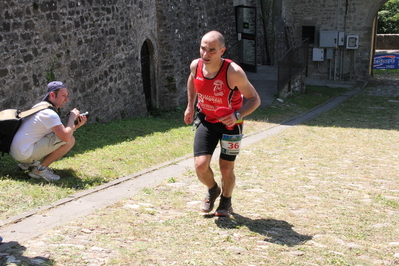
[(91, 45), (387, 42), (183, 23), (94, 47), (294, 86)]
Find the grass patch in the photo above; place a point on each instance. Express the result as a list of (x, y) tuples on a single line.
[(105, 152), (280, 111), (292, 106), (385, 71)]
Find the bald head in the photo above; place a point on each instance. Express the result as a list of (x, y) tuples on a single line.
[(214, 36)]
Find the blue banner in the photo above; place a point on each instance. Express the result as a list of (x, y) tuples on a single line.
[(386, 61)]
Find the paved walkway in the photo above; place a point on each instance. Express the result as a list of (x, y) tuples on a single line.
[(29, 225), (265, 82)]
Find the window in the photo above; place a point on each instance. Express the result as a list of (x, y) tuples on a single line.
[(308, 32)]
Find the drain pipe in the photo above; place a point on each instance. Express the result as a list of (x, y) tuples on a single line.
[(343, 52), (335, 52)]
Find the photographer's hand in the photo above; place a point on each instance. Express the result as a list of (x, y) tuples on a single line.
[(75, 119), (80, 121), (73, 115)]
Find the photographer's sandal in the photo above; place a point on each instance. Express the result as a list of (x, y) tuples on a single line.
[(27, 166), (44, 172)]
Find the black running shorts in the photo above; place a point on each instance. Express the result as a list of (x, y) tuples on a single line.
[(208, 135)]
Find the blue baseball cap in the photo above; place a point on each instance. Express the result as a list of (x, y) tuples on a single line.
[(53, 86)]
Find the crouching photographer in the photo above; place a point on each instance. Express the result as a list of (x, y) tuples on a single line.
[(43, 136)]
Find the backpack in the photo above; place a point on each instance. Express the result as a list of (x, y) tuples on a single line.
[(10, 121)]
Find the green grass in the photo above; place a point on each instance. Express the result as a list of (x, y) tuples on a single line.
[(105, 152), (321, 193), (295, 105), (385, 71)]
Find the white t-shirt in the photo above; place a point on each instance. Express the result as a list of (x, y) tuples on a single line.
[(33, 129)]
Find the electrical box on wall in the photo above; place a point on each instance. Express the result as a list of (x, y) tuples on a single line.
[(318, 54), (328, 39), (329, 53), (352, 41), (341, 38)]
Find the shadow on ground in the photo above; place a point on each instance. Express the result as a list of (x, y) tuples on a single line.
[(12, 254), (276, 231), (70, 179)]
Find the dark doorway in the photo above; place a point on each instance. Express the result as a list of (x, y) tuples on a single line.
[(146, 74), (308, 32), (246, 31)]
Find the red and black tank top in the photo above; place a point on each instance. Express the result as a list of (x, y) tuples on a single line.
[(214, 93)]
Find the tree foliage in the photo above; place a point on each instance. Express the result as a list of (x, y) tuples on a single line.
[(388, 17)]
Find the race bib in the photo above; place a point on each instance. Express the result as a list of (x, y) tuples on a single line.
[(230, 144)]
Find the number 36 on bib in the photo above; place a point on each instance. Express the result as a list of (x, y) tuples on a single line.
[(230, 144)]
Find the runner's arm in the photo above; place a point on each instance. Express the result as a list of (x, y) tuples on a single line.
[(191, 95), (238, 79)]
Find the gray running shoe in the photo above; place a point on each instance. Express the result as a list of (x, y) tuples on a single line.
[(26, 166), (47, 174), (209, 201)]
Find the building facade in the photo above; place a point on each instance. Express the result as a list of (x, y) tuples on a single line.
[(126, 58), (342, 30)]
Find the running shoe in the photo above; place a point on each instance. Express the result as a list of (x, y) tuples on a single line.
[(208, 203), (224, 208)]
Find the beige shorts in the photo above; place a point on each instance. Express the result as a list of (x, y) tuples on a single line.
[(44, 147)]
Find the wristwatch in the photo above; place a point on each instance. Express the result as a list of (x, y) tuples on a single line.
[(238, 116)]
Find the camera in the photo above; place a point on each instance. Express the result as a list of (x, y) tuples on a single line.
[(82, 114)]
